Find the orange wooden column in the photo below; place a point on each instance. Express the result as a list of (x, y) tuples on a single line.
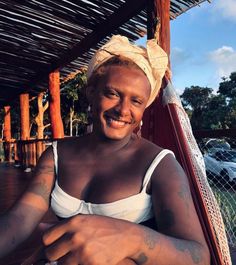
[(7, 124), (159, 27), (24, 117), (163, 13), (7, 133), (24, 129), (55, 105)]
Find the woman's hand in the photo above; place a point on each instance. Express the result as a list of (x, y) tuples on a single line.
[(91, 239)]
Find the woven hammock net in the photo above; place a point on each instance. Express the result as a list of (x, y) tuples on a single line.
[(195, 156)]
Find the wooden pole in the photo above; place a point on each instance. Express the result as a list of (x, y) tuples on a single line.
[(24, 128), (7, 124), (163, 14), (24, 117), (158, 26), (7, 133), (54, 105)]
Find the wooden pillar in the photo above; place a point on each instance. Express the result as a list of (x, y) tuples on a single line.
[(54, 105), (24, 129), (158, 23), (7, 124), (24, 117), (7, 133), (158, 26)]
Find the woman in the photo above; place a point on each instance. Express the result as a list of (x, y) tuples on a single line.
[(123, 199)]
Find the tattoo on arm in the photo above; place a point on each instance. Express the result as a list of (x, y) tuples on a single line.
[(45, 170), (185, 196), (167, 219), (142, 258), (193, 249), (150, 240), (41, 189)]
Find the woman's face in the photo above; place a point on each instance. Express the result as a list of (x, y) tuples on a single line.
[(119, 101)]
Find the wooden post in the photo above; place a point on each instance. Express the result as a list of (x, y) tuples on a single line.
[(24, 128), (54, 105), (7, 133), (7, 124), (158, 26), (159, 19), (24, 117)]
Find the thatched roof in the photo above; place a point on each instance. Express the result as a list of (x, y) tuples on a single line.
[(39, 36)]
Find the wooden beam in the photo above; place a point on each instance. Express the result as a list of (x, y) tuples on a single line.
[(54, 105), (24, 117), (128, 10)]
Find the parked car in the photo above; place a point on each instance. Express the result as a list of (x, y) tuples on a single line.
[(221, 165)]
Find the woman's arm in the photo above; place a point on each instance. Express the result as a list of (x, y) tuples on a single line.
[(20, 220), (179, 239), (99, 240)]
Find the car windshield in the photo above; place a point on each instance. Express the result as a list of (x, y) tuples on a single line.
[(229, 156), (218, 144)]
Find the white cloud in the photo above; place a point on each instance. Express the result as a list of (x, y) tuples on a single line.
[(224, 60), (225, 8)]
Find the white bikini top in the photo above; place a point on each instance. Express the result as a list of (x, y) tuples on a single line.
[(136, 208)]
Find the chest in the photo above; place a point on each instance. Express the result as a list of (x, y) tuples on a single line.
[(102, 179)]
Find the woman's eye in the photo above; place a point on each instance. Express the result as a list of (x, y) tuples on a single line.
[(111, 94), (137, 102)]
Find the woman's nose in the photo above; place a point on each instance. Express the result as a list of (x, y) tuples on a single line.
[(123, 108)]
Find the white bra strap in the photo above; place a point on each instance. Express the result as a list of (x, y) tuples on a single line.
[(55, 155), (153, 165)]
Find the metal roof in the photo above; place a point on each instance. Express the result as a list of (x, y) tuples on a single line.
[(39, 36)]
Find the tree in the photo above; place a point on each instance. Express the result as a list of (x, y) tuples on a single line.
[(195, 100), (228, 88), (39, 119), (73, 100), (209, 111)]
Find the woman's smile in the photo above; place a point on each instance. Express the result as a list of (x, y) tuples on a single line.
[(120, 102)]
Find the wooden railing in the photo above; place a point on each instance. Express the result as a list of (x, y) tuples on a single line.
[(25, 153)]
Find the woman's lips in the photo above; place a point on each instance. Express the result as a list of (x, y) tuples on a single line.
[(116, 123)]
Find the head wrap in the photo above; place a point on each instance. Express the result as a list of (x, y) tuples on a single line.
[(153, 60)]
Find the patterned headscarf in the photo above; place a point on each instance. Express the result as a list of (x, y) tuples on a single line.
[(153, 60)]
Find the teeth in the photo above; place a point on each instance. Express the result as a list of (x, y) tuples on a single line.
[(120, 123)]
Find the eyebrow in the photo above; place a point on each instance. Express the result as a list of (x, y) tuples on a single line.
[(107, 87)]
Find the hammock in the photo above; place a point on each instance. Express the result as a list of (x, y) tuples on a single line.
[(167, 125)]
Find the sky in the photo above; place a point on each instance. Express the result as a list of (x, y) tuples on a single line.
[(203, 45)]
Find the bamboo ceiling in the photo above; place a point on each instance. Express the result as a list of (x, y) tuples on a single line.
[(39, 36)]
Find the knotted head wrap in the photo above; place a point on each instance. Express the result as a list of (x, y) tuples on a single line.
[(153, 60)]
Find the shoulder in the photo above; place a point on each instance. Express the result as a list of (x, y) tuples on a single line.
[(154, 150)]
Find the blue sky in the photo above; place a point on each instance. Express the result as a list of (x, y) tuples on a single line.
[(203, 45)]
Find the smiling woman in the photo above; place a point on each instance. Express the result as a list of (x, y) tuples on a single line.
[(119, 99), (119, 198)]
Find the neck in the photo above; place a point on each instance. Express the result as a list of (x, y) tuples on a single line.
[(103, 145)]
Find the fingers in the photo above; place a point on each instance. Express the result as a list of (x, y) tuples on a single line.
[(54, 233), (59, 248)]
